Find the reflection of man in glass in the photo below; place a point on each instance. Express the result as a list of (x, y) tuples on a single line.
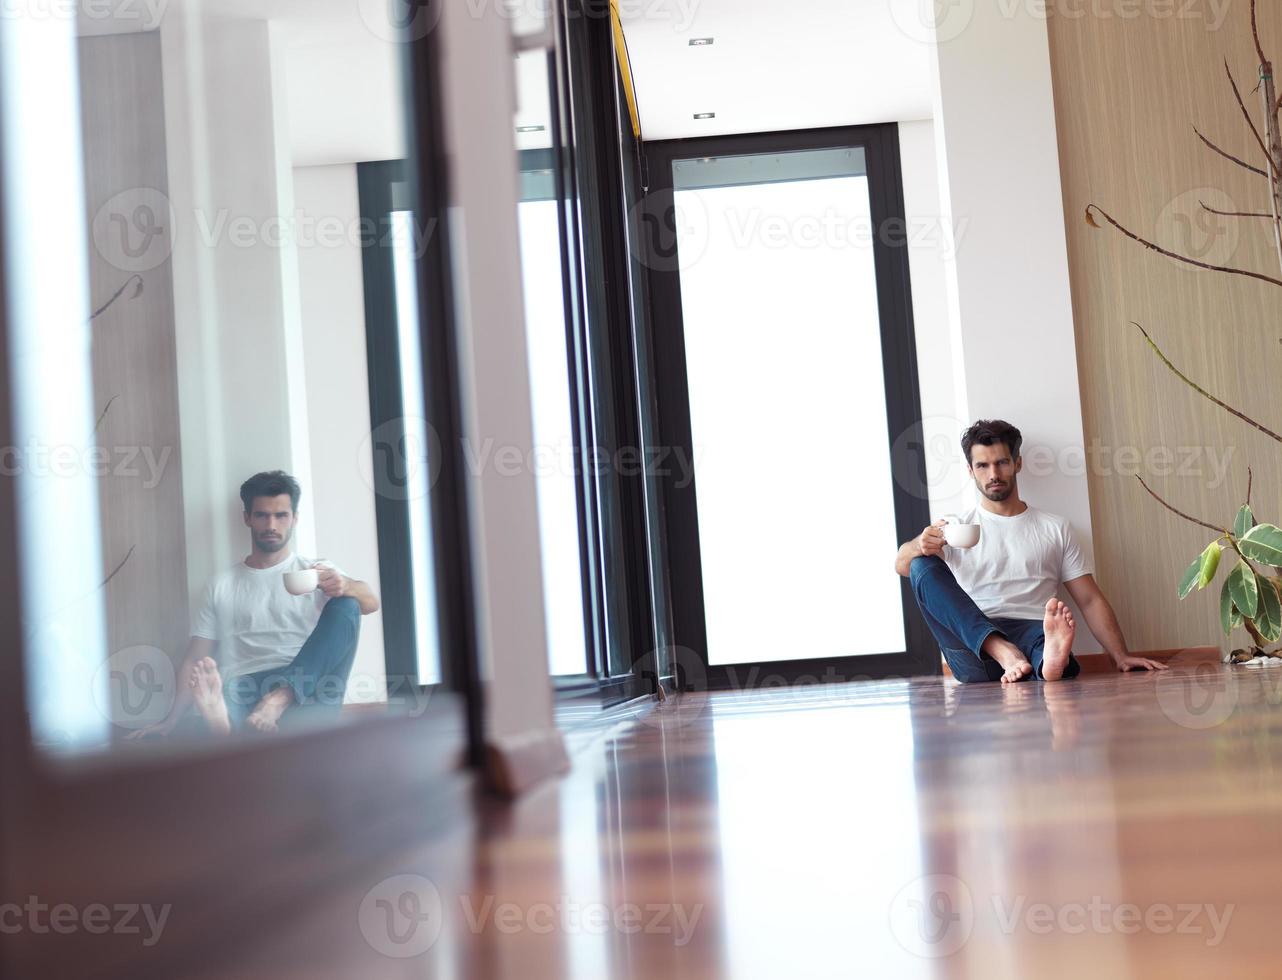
[(275, 649)]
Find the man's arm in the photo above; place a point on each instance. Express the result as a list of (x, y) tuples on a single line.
[(335, 584), (197, 649), (1103, 623), (929, 542)]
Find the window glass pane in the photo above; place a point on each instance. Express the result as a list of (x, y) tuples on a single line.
[(184, 271), (550, 381), (422, 581), (787, 406)]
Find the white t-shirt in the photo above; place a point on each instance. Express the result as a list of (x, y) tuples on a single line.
[(1019, 563), (257, 624)]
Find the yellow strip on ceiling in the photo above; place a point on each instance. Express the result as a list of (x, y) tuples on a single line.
[(625, 68)]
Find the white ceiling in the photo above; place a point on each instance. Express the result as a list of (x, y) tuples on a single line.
[(805, 64), (776, 64)]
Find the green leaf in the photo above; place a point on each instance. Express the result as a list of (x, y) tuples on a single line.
[(1210, 562), (1226, 609), (1242, 588), (1269, 617), (1190, 576), (1263, 543), (1244, 521)]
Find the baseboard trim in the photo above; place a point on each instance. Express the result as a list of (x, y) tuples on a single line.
[(1102, 663), (515, 763)]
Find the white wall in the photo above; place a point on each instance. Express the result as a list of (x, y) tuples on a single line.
[(931, 242), (241, 399), (1008, 284), (480, 104), (340, 504)]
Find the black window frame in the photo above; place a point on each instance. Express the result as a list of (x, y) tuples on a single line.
[(903, 403)]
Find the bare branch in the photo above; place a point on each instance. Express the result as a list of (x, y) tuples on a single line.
[(1249, 477), (1229, 156), (1202, 391), (1247, 116), (1174, 255), (1153, 494), (1235, 214), (1255, 33)]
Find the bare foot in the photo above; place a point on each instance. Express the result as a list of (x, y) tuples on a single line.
[(267, 712), (207, 690), (1060, 630), (1012, 659)]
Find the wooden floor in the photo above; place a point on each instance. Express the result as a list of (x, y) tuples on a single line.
[(1119, 825)]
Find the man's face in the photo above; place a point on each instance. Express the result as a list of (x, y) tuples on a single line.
[(994, 471), (271, 522)]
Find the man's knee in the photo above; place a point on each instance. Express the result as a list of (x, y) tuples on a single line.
[(345, 606), (923, 566)]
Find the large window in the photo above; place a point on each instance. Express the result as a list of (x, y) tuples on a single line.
[(787, 408), (786, 366)]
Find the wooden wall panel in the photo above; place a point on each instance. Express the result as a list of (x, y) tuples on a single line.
[(1128, 91), (134, 368)]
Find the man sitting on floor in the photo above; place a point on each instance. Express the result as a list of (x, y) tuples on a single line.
[(276, 649), (993, 607)]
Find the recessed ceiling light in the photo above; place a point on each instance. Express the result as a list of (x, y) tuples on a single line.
[(530, 129), (705, 115), (701, 42)]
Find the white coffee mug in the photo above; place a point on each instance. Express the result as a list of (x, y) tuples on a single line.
[(302, 581), (959, 535)]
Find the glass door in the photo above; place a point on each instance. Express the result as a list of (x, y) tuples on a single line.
[(795, 337)]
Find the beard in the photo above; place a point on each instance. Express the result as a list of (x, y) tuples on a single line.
[(1000, 493), (271, 545)]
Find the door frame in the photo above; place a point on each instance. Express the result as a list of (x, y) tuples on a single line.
[(903, 403)]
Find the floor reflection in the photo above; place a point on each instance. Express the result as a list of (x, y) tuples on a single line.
[(886, 829)]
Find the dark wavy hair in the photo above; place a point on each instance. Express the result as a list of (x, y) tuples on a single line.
[(271, 484), (989, 432)]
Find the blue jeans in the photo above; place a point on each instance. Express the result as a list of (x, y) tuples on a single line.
[(961, 628), (318, 673)]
